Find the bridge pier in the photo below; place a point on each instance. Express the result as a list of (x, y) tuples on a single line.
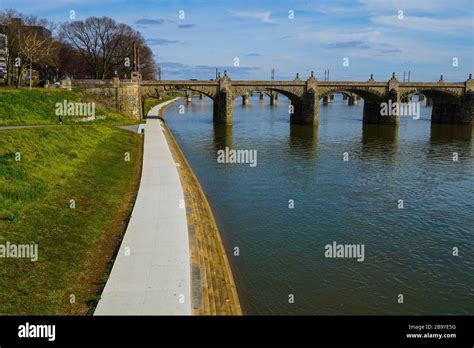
[(407, 99), (326, 100), (261, 96), (372, 109), (352, 100), (222, 111), (467, 111), (200, 96), (449, 113), (306, 111), (372, 115), (245, 99), (189, 98), (445, 113), (273, 98)]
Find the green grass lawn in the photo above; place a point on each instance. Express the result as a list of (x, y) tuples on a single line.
[(84, 163), (38, 106)]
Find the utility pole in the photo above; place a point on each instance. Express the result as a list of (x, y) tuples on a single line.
[(138, 59), (273, 74), (326, 75), (159, 73), (134, 56), (406, 76)]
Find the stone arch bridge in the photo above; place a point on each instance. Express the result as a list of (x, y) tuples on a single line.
[(453, 102)]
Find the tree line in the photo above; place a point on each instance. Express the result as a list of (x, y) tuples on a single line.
[(93, 48)]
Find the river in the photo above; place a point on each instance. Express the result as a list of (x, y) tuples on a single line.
[(281, 267)]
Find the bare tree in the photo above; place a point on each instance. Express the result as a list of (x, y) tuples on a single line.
[(35, 50), (68, 61), (104, 44), (147, 66), (93, 48)]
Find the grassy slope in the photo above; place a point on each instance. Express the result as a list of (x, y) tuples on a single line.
[(37, 106), (84, 163), (151, 102)]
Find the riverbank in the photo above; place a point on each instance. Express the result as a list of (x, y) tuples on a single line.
[(171, 260), (68, 191), (39, 106), (213, 286), (151, 273)]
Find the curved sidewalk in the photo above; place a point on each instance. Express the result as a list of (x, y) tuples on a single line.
[(151, 274)]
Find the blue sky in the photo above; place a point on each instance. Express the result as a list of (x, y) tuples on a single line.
[(262, 36)]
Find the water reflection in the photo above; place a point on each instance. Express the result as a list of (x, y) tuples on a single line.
[(303, 139), (447, 133), (352, 201), (379, 141), (197, 105), (222, 137), (447, 139)]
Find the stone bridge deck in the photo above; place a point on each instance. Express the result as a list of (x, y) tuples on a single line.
[(453, 102)]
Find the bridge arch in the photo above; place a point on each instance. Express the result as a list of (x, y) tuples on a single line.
[(295, 99), (441, 96), (160, 94), (347, 94), (295, 96), (251, 91), (368, 94), (155, 92)]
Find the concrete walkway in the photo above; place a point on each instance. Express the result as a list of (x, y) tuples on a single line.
[(151, 274), (134, 128), (30, 126)]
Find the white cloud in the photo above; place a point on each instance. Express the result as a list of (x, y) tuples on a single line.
[(432, 25), (263, 17), (431, 6), (377, 44), (378, 7), (336, 36)]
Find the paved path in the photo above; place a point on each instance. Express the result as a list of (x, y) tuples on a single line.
[(155, 278), (135, 128), (30, 126)]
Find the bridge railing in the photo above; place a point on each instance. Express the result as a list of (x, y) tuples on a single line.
[(178, 82), (92, 83)]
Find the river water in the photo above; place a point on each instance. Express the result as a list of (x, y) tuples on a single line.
[(281, 267)]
